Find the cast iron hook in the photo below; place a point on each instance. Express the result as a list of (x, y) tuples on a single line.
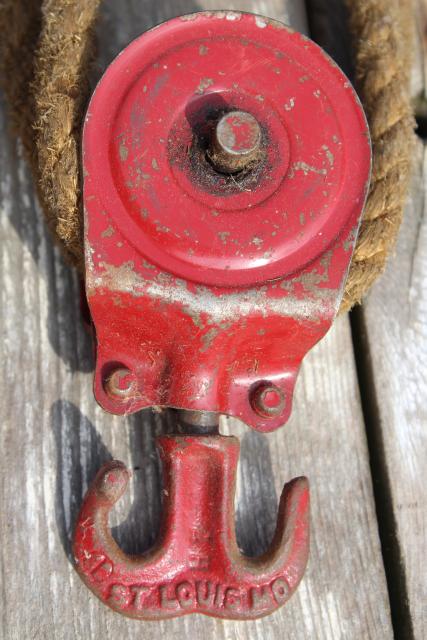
[(195, 566)]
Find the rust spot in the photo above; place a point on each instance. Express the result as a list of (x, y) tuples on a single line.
[(208, 338), (223, 235), (305, 168), (123, 151), (108, 232), (329, 155), (204, 84)]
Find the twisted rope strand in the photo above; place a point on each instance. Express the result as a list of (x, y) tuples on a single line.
[(382, 36)]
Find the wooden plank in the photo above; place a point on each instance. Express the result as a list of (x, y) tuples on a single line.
[(392, 332), (395, 325), (54, 438)]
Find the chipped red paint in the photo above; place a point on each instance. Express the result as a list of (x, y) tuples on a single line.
[(196, 566), (205, 285), (208, 282)]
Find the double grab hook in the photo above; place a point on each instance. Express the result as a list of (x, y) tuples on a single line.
[(195, 565)]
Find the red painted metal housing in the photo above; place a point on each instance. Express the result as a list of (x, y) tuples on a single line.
[(207, 286)]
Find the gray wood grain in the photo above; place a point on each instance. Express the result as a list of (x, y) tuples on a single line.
[(394, 338), (396, 332), (54, 437), (391, 333)]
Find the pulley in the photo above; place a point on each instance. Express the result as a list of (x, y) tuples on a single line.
[(226, 163)]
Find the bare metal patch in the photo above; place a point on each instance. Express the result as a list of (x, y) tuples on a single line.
[(305, 168), (227, 307), (204, 84)]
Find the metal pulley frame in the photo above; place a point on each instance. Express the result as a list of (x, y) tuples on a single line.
[(226, 164)]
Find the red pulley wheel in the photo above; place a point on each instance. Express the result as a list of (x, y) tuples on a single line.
[(147, 148)]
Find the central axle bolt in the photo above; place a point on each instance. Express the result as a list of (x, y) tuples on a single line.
[(121, 383), (236, 142), (268, 400)]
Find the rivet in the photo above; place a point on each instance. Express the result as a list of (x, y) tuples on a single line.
[(121, 383), (268, 400)]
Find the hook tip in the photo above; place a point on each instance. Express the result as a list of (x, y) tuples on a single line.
[(111, 481)]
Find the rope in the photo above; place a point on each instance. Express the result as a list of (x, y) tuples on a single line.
[(45, 57), (45, 60), (382, 43)]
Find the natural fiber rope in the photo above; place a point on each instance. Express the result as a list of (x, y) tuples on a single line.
[(383, 43), (45, 58), (45, 73)]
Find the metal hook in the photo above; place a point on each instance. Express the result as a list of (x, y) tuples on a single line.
[(195, 565)]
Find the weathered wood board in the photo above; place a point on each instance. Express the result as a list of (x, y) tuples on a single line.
[(390, 338), (53, 438), (394, 320), (393, 336)]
